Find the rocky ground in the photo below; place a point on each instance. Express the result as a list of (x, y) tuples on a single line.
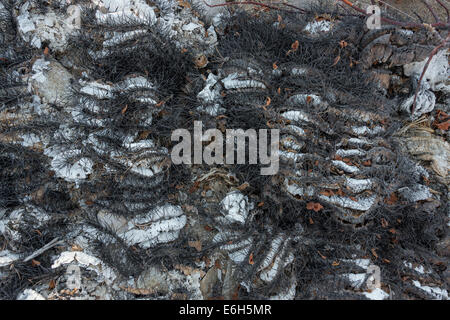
[(92, 206)]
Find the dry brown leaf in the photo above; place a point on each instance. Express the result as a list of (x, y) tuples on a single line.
[(243, 186), (336, 60), (392, 199), (35, 263), (51, 285), (250, 259), (76, 247), (374, 253), (195, 244), (314, 206)]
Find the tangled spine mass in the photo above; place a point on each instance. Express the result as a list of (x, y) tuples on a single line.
[(108, 150)]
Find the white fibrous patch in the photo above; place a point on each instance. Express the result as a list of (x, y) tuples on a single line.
[(364, 130), (98, 90), (36, 28), (291, 143), (51, 81), (425, 102), (29, 139), (233, 81), (437, 293), (235, 207), (415, 193), (437, 74), (7, 257), (316, 27), (343, 166), (211, 91), (237, 247), (293, 188), (361, 203), (349, 152), (30, 294), (305, 99), (136, 11), (359, 141), (295, 130), (376, 294), (291, 155), (68, 164), (420, 269), (362, 263), (275, 259), (160, 225), (299, 71), (356, 279), (87, 261), (119, 37), (296, 115), (358, 185), (187, 31)]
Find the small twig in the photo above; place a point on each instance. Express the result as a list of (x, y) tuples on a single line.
[(432, 54), (49, 245)]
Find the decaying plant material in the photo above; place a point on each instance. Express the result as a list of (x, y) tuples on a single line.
[(86, 120)]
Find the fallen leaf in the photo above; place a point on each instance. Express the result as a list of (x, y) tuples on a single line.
[(314, 206), (195, 244), (46, 51), (386, 260), (250, 259), (35, 263), (326, 193), (260, 204), (51, 285), (392, 199), (124, 109), (384, 223), (343, 43), (336, 60), (201, 61), (243, 186), (321, 255), (311, 221), (335, 263), (184, 4), (374, 253), (367, 163), (443, 125), (274, 66)]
